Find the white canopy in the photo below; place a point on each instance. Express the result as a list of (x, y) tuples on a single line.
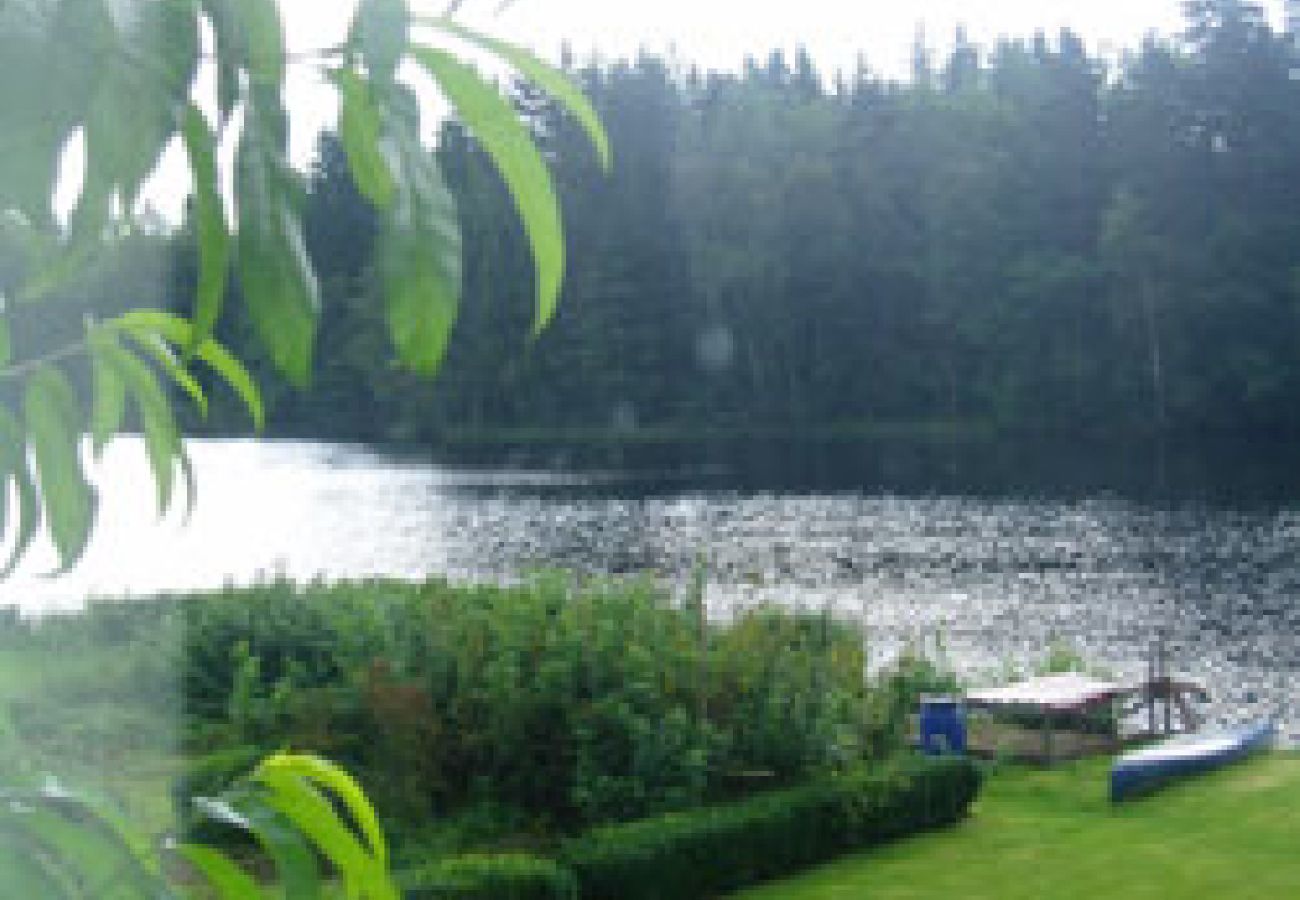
[(1067, 691)]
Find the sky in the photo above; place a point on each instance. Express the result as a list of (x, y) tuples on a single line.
[(718, 33)]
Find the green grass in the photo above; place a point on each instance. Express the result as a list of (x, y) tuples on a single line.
[(1035, 834)]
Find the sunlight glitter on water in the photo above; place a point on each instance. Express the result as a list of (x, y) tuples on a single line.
[(996, 581)]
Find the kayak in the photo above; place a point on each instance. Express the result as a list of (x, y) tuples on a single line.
[(1143, 770)]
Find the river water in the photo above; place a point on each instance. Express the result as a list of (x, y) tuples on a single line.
[(989, 563)]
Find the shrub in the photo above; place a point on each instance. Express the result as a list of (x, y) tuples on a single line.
[(574, 703), (722, 848), (295, 637), (496, 876), (785, 688), (893, 698), (571, 702)]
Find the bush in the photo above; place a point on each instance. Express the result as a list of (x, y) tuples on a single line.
[(722, 848), (575, 703), (497, 876), (785, 689), (896, 693), (293, 637)]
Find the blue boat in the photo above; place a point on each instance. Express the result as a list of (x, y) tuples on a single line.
[(1144, 770)]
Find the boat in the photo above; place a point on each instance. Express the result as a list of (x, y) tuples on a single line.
[(1144, 770)]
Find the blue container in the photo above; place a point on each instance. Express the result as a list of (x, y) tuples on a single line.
[(943, 725)]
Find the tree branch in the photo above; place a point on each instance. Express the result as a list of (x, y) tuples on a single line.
[(19, 369)]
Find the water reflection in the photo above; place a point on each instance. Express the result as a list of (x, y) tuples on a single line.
[(298, 509), (998, 577)]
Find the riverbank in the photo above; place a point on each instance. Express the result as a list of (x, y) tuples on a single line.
[(585, 699), (955, 430), (874, 537), (476, 716), (1053, 833)]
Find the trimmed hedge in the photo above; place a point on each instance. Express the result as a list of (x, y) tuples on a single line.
[(715, 849), (496, 876)]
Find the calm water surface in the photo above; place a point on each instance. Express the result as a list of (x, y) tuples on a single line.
[(998, 566)]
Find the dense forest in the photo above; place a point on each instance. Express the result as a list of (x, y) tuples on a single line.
[(1021, 237)]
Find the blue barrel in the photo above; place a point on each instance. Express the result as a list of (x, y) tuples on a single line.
[(943, 725)]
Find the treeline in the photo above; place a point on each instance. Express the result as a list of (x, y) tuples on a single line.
[(1021, 237)]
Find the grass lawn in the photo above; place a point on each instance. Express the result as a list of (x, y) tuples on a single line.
[(1053, 834)]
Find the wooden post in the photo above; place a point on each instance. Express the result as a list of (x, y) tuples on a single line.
[(1191, 722), (1047, 737), (1151, 691), (1112, 723), (1166, 687)]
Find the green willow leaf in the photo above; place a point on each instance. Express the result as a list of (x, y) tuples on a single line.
[(181, 334), (210, 224), (13, 465), (549, 79), (418, 251), (380, 31), (29, 517), (224, 363), (295, 862), (191, 483), (161, 438), (497, 125), (22, 246), (228, 54), (300, 803), (339, 783), (98, 812), (29, 155), (172, 366), (59, 263), (53, 420), (419, 262), (260, 39), (24, 873), (281, 292), (69, 856), (13, 458), (6, 344), (359, 129), (143, 84), (101, 864), (108, 392), (421, 294), (228, 880), (40, 104)]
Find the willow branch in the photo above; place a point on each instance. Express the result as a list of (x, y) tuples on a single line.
[(27, 366)]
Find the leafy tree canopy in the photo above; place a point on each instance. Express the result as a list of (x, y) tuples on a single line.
[(120, 77)]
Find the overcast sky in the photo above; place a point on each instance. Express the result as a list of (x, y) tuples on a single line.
[(718, 33)]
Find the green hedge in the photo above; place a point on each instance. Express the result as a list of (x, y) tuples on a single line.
[(498, 876), (715, 849)]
